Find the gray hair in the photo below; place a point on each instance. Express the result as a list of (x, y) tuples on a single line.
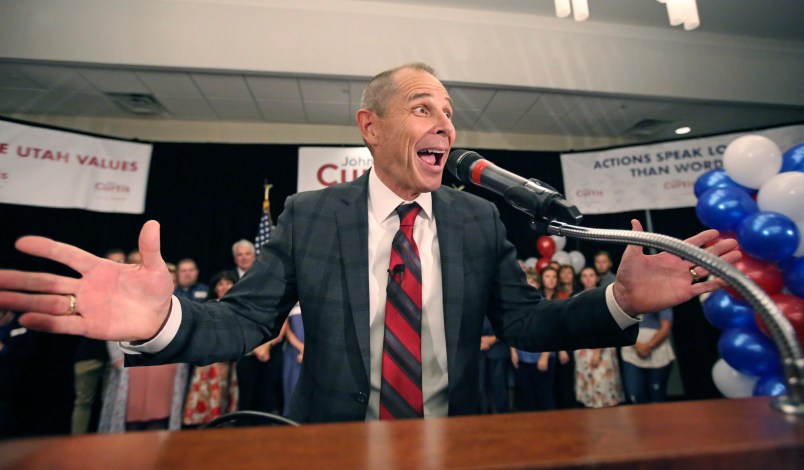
[(245, 243), (380, 88)]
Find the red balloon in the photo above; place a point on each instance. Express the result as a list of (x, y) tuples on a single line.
[(546, 246), (792, 308), (765, 274), (542, 263)]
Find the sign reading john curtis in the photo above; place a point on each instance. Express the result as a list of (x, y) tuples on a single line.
[(320, 167)]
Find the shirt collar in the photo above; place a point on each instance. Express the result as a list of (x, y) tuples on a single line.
[(383, 201)]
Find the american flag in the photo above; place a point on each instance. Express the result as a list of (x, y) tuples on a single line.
[(266, 224)]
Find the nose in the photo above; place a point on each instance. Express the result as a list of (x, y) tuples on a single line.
[(444, 124)]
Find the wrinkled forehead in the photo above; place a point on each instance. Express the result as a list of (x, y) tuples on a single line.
[(413, 84)]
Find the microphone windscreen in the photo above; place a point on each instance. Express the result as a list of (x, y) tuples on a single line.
[(459, 164)]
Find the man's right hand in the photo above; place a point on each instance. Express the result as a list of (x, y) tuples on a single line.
[(113, 301)]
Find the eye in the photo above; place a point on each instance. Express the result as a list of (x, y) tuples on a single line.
[(420, 109), (448, 113)]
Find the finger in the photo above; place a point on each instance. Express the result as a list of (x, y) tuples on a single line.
[(72, 325), (636, 226), (722, 246), (729, 257), (150, 246), (703, 238), (37, 282), (48, 304), (69, 255), (709, 285)]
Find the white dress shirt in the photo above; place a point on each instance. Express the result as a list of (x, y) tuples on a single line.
[(383, 224)]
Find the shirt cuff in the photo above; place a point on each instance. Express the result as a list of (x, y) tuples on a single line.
[(163, 338), (622, 318)]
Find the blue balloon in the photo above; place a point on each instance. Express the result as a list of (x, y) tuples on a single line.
[(717, 179), (770, 386), (793, 159), (787, 263), (768, 236), (794, 277), (749, 351), (724, 208), (724, 311)]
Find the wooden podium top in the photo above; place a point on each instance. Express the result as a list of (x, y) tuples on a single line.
[(729, 434)]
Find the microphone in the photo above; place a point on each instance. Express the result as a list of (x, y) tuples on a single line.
[(398, 269), (531, 196)]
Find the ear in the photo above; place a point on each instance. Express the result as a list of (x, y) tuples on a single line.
[(367, 122)]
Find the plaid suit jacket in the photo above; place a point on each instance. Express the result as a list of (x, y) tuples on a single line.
[(318, 254)]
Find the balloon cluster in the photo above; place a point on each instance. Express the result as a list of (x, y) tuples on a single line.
[(758, 197), (551, 248)]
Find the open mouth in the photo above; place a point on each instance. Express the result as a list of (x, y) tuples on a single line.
[(432, 157)]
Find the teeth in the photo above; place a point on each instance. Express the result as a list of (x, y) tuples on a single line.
[(438, 152)]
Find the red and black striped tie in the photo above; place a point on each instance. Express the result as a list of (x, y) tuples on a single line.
[(401, 389)]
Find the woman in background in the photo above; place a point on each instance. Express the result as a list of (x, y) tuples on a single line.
[(566, 280), (213, 388), (565, 366), (535, 371), (293, 355), (597, 371), (647, 364)]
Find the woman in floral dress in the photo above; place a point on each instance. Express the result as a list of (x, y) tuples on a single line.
[(597, 371), (213, 388)]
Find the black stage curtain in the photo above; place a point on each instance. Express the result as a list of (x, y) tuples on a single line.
[(206, 196)]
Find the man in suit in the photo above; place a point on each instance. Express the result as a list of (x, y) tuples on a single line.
[(244, 254), (188, 286), (330, 251)]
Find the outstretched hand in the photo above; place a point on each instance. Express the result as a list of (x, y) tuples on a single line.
[(113, 301), (650, 283)]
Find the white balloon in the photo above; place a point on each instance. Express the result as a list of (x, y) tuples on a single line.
[(561, 257), (783, 193), (732, 383), (751, 160), (577, 260), (561, 242), (530, 263), (800, 226)]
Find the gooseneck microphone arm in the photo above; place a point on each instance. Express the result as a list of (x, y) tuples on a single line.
[(464, 166)]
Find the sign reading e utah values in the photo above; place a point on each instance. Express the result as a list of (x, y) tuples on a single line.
[(49, 168)]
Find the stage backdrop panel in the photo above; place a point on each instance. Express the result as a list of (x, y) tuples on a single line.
[(51, 168), (320, 167), (657, 176)]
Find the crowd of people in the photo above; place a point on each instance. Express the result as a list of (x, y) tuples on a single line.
[(513, 379), (391, 334), (180, 396)]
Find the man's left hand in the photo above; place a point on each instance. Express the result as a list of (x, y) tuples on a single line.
[(650, 283)]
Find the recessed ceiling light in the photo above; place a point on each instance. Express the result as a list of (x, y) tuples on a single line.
[(683, 130)]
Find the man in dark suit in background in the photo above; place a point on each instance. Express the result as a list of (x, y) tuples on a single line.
[(244, 254), (330, 251)]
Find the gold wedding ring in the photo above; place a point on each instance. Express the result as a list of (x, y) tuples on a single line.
[(694, 274), (71, 309)]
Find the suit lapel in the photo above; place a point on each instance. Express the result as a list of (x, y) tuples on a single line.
[(352, 222), (450, 242)]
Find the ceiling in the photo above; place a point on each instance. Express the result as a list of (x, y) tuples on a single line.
[(33, 88)]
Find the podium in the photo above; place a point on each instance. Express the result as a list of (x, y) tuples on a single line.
[(718, 434)]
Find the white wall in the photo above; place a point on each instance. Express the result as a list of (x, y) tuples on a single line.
[(356, 39)]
